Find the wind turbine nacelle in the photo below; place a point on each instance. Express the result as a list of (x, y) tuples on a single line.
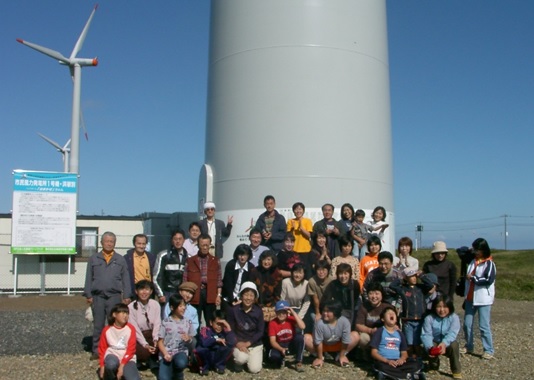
[(81, 62)]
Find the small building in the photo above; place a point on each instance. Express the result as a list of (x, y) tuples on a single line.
[(49, 273)]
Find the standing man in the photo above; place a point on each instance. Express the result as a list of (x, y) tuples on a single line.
[(204, 270), (216, 229), (169, 268), (140, 262), (254, 237), (272, 225), (107, 283), (329, 226)]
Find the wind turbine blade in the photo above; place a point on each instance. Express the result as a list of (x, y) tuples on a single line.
[(82, 125), (49, 52), (81, 39), (82, 120), (51, 142), (66, 146)]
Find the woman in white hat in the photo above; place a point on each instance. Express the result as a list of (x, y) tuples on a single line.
[(444, 269), (246, 320)]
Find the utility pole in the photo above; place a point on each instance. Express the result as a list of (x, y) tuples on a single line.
[(505, 231), (418, 235)]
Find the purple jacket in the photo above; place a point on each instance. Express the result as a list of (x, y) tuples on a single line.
[(248, 327)]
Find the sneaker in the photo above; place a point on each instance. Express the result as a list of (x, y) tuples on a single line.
[(299, 367), (220, 371), (238, 368), (433, 365), (464, 350), (457, 376), (487, 356), (204, 372)]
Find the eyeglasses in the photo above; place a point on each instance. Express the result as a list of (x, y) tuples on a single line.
[(209, 209)]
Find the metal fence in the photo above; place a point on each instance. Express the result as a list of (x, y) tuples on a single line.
[(49, 274)]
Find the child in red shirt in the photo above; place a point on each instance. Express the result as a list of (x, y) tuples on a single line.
[(117, 346), (283, 335)]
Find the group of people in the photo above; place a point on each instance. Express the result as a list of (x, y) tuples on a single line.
[(325, 288)]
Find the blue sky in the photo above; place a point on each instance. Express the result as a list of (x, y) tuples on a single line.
[(462, 102)]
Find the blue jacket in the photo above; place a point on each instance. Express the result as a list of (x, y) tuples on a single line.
[(208, 337), (438, 330)]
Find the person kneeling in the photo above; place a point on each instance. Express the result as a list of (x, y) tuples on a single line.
[(117, 347), (283, 335), (246, 320), (216, 344)]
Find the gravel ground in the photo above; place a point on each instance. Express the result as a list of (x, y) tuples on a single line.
[(42, 338)]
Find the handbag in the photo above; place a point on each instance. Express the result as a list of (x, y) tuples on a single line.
[(268, 313), (460, 286)]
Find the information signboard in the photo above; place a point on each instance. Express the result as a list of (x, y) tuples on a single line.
[(44, 213)]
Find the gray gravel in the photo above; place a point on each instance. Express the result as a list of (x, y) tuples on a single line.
[(48, 345)]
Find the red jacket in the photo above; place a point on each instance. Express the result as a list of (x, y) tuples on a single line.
[(214, 277)]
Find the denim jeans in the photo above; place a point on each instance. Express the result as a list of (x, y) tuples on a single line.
[(296, 346), (484, 313), (111, 365), (215, 357), (173, 370)]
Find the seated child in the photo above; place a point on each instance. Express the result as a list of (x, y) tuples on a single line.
[(175, 338), (440, 331), (216, 344), (283, 335), (331, 334), (117, 347), (187, 291), (390, 351)]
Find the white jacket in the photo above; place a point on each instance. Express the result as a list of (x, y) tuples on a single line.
[(484, 280)]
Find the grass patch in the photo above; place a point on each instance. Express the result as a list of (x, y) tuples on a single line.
[(515, 272)]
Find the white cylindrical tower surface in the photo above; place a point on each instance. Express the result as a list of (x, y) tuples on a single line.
[(298, 107)]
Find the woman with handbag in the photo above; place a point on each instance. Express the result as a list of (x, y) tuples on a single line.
[(145, 317), (479, 296)]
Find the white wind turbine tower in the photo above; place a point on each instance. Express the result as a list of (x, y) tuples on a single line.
[(75, 65), (64, 150)]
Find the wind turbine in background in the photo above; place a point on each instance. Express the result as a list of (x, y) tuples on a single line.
[(64, 150), (75, 66)]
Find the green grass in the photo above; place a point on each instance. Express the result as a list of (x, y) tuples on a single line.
[(515, 272)]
